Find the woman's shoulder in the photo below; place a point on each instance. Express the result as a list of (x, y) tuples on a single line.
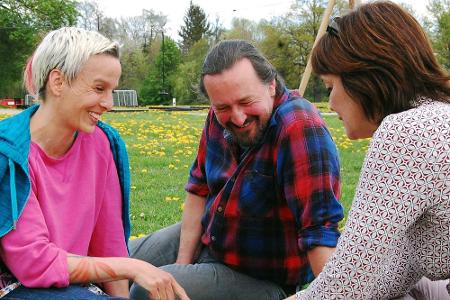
[(423, 119), (107, 140), (421, 132)]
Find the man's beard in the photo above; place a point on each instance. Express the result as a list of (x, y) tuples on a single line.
[(249, 138)]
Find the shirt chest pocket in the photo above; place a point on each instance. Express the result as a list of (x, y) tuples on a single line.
[(257, 195)]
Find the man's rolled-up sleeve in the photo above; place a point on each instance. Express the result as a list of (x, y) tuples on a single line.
[(197, 183), (309, 171)]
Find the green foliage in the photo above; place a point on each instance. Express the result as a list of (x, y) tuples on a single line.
[(285, 48), (196, 26), (286, 41), (157, 83), (135, 67), (440, 32), (243, 29), (187, 77), (22, 23)]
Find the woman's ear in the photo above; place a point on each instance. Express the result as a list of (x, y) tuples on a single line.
[(55, 82)]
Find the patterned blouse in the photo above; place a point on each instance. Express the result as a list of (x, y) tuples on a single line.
[(398, 228)]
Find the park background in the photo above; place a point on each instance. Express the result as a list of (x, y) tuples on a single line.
[(163, 144), (160, 64)]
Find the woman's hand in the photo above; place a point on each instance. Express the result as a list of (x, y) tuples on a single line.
[(159, 284)]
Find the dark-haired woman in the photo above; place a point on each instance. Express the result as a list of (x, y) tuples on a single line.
[(385, 83)]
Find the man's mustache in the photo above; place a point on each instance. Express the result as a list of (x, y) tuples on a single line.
[(231, 125)]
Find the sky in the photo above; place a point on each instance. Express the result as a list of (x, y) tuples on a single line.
[(226, 10)]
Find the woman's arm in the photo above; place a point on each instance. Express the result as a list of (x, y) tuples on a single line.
[(159, 284), (118, 288)]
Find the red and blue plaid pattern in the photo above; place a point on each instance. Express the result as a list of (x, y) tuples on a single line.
[(268, 205)]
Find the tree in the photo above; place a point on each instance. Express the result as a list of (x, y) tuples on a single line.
[(89, 15), (22, 24), (309, 15), (216, 32), (158, 80), (187, 77), (141, 31), (285, 47), (135, 68), (109, 27), (440, 30), (243, 29), (287, 42), (196, 27)]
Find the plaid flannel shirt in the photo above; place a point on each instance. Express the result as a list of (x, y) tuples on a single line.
[(268, 205)]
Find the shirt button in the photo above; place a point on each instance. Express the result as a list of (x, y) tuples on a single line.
[(220, 209), (213, 238)]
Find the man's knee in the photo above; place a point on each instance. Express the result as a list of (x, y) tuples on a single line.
[(158, 248), (206, 281), (189, 277), (138, 292)]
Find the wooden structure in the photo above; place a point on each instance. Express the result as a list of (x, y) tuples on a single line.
[(322, 28)]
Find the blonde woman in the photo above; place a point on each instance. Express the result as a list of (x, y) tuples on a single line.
[(64, 180)]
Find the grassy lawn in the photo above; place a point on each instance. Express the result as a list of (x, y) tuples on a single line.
[(351, 155), (162, 146)]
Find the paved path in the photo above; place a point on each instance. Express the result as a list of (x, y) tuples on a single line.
[(9, 111)]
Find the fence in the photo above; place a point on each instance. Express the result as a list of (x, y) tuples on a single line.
[(125, 98), (29, 100), (120, 98)]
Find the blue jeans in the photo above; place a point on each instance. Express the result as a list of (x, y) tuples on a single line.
[(72, 292), (206, 278)]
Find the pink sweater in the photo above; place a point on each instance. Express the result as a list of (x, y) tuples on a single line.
[(74, 207)]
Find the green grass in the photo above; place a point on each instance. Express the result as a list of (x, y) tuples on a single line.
[(351, 155), (322, 106), (162, 146)]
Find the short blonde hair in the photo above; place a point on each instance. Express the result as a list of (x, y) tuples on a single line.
[(66, 49)]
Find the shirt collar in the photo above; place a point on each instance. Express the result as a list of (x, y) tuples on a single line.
[(421, 101), (279, 101)]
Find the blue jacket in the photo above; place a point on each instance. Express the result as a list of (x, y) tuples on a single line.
[(15, 184)]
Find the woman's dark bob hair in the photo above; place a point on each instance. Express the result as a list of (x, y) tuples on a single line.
[(384, 59)]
